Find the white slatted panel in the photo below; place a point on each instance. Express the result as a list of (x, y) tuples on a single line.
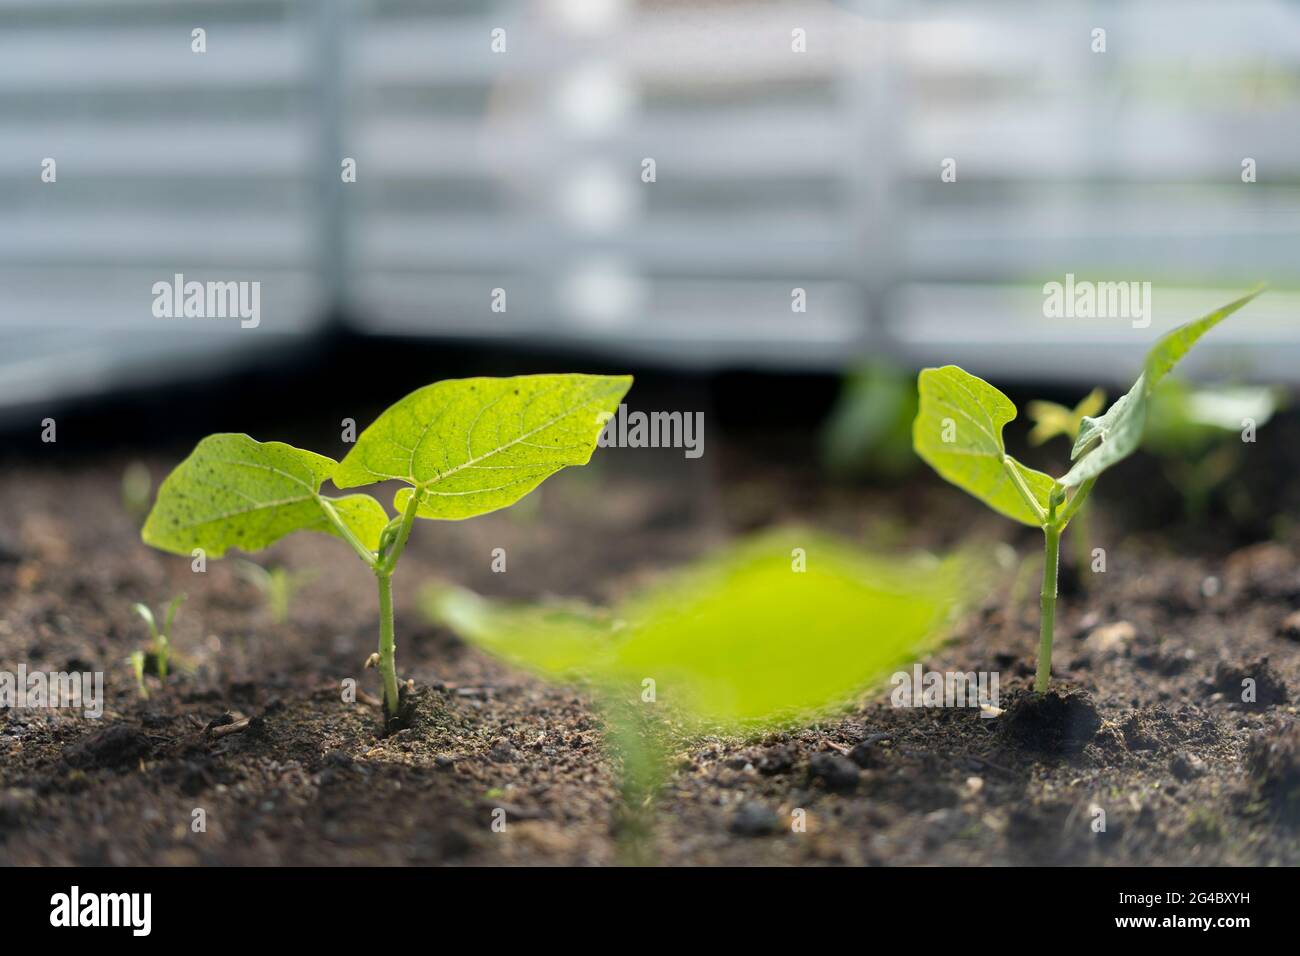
[(167, 161), (522, 171), (1123, 165)]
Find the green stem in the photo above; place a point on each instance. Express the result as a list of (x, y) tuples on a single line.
[(387, 645), (384, 567), (1051, 561), (161, 653), (388, 560), (1077, 502)]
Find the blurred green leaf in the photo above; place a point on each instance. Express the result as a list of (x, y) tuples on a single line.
[(738, 639), (869, 431), (1051, 419)]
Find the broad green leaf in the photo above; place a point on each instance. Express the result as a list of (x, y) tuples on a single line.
[(233, 491), (1108, 440), (958, 433), (474, 445), (743, 638)]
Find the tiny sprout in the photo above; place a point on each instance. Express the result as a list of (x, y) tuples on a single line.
[(162, 637), (277, 585), (463, 447), (973, 457), (137, 667)]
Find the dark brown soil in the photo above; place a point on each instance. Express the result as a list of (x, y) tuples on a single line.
[(1147, 730)]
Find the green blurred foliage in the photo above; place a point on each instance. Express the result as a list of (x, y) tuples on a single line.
[(740, 640), (869, 431), (1198, 435), (1186, 420), (1051, 419)]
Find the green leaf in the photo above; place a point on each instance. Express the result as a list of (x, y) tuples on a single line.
[(172, 607), (558, 640), (742, 638), (470, 446), (1108, 440), (958, 433), (233, 491), (147, 613), (1051, 419)]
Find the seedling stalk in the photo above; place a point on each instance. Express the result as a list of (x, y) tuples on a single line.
[(973, 455), (464, 447)]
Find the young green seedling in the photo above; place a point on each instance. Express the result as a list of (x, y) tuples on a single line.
[(162, 637), (277, 585), (137, 668), (958, 432), (464, 447)]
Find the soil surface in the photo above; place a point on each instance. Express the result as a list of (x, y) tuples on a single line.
[(1147, 733)]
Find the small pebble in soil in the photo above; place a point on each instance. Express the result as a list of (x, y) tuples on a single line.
[(501, 752), (1110, 639), (867, 752), (754, 819), (835, 773), (1186, 766), (338, 758), (776, 760)]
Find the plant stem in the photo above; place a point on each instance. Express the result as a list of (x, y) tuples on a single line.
[(384, 567), (388, 561), (1051, 562), (387, 646)]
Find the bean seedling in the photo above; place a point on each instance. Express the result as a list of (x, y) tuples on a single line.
[(464, 447), (958, 432), (162, 638), (277, 584)]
